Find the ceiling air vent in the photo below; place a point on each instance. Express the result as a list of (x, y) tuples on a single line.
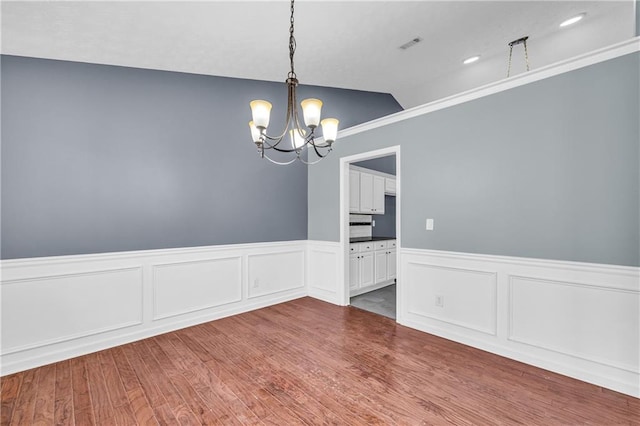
[(411, 43)]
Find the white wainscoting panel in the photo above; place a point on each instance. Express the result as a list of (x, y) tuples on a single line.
[(323, 271), (577, 319), (275, 272), (184, 287), (467, 297), (591, 322), (56, 308)]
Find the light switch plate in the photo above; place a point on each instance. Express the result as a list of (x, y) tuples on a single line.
[(429, 224)]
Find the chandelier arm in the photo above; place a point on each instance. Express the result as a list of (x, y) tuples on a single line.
[(278, 139), (279, 163), (315, 148), (267, 145), (311, 163), (275, 148)]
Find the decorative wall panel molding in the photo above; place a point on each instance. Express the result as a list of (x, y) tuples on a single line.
[(577, 319), (183, 287), (457, 296), (59, 307), (323, 271), (48, 308), (587, 321), (276, 272)]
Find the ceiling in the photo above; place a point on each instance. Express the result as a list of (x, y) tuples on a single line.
[(347, 44)]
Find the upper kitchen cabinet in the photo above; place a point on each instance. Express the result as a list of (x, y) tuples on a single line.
[(371, 194), (367, 190), (390, 186), (354, 191)]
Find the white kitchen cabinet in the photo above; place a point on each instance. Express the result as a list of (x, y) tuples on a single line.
[(385, 254), (378, 195), (366, 270), (371, 194), (366, 193), (392, 263), (390, 186), (354, 271), (372, 265), (381, 265), (361, 266), (354, 191)]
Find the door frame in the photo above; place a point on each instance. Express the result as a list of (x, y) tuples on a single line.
[(345, 162)]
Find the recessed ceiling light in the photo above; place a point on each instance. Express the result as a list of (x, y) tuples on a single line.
[(470, 60), (573, 20)]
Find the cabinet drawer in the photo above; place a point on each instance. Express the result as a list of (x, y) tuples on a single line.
[(380, 245), (353, 248), (391, 244), (366, 247)]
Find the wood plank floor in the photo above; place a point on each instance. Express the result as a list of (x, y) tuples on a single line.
[(303, 362)]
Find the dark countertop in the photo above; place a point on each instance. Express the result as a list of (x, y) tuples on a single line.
[(368, 239)]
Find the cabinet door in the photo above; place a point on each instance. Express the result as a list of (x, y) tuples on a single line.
[(390, 186), (366, 269), (381, 266), (391, 264), (378, 195), (354, 271), (354, 191), (366, 193)]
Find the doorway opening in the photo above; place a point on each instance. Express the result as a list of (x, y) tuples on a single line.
[(370, 214)]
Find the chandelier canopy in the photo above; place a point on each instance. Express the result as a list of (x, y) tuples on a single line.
[(301, 140)]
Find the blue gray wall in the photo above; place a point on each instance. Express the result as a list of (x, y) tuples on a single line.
[(386, 223), (546, 170), (99, 159), (386, 164)]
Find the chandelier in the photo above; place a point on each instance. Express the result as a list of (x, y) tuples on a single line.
[(301, 140)]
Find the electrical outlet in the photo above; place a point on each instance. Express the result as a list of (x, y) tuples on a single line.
[(256, 283), (429, 225), (440, 300)]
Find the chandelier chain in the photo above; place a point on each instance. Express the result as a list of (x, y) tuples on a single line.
[(292, 43)]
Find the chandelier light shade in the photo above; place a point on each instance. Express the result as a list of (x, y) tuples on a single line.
[(261, 110), (303, 145)]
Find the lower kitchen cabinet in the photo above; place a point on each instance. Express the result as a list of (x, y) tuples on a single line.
[(381, 265), (392, 265), (371, 265), (361, 270)]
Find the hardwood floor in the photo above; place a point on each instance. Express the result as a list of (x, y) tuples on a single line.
[(303, 362)]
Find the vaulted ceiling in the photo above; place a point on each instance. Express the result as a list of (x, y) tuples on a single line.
[(348, 44)]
